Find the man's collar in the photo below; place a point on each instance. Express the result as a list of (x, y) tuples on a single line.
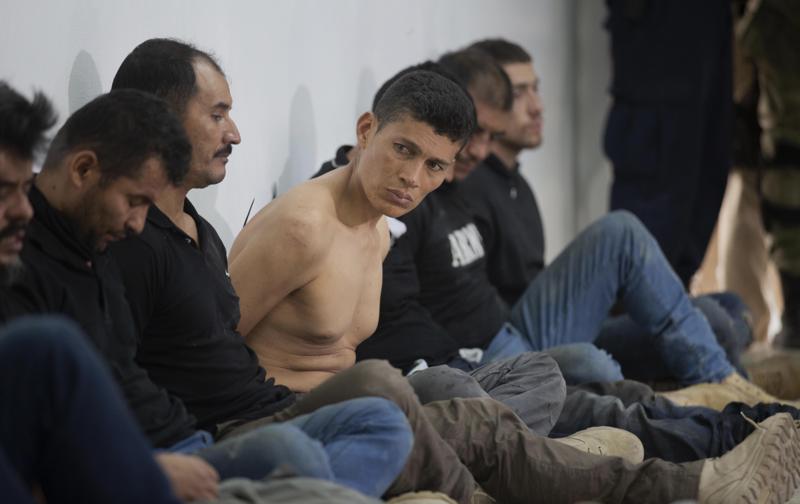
[(159, 219), (62, 232), (496, 164)]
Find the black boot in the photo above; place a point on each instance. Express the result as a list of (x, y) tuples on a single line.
[(789, 336)]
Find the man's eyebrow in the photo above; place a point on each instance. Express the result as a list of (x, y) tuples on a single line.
[(222, 106), (441, 162), (410, 144)]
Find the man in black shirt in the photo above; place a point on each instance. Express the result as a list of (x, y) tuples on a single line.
[(187, 312)]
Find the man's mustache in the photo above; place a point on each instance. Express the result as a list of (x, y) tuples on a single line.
[(225, 151), (12, 229)]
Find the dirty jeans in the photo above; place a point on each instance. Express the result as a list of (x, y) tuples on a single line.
[(461, 441)]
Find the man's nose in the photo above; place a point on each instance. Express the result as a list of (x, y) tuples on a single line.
[(232, 135)]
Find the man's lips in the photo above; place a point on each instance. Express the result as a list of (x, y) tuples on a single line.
[(401, 198), (13, 242)]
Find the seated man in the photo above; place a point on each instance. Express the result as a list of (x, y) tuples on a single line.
[(109, 160), (508, 218), (308, 270), (407, 332)]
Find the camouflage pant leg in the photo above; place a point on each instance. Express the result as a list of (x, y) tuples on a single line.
[(780, 188)]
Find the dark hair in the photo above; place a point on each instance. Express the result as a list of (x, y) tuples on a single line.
[(477, 71), (163, 67), (431, 98), (503, 51), (124, 128), (23, 122)]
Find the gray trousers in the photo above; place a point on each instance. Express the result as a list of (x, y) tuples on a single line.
[(530, 384)]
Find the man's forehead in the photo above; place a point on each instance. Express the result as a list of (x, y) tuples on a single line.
[(520, 73), (490, 118), (423, 135), (13, 167), (212, 87)]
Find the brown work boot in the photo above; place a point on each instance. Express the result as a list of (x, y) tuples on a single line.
[(778, 373), (608, 441), (734, 388), (764, 468)]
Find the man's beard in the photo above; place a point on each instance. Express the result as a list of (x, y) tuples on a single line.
[(9, 273)]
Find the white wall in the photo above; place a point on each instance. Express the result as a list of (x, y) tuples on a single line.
[(300, 71)]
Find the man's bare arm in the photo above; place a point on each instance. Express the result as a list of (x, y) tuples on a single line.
[(282, 252)]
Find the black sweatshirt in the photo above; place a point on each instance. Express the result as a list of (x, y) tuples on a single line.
[(509, 221), (65, 276), (186, 311), (451, 303)]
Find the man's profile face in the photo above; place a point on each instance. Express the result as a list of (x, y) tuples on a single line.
[(402, 162), (16, 178), (113, 210), (523, 129), (491, 121), (209, 126)]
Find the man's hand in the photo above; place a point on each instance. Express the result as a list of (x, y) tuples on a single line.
[(192, 478)]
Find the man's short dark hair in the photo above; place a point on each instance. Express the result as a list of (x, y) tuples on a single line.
[(431, 98), (163, 67), (125, 128), (429, 65), (478, 71), (23, 122), (503, 51)]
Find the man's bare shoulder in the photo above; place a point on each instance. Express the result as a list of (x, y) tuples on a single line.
[(302, 218)]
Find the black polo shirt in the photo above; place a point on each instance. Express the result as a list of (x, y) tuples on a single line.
[(65, 276), (186, 311), (509, 221)]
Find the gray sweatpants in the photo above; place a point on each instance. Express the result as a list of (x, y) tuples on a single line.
[(530, 384)]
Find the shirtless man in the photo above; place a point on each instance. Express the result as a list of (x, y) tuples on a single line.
[(325, 278), (302, 269)]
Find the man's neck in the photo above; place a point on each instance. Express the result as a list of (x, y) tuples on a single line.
[(508, 155), (171, 202), (50, 185), (353, 207)]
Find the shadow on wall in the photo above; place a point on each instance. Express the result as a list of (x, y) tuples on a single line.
[(302, 142), (84, 81), (365, 93)]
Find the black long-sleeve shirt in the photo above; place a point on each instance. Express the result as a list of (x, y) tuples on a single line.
[(186, 312), (510, 224), (63, 275)]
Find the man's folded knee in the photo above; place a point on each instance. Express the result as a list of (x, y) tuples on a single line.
[(378, 378)]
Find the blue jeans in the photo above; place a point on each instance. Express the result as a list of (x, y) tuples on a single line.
[(632, 347), (361, 443), (64, 424), (614, 259)]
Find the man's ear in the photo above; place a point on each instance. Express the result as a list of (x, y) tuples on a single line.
[(83, 169), (364, 128)]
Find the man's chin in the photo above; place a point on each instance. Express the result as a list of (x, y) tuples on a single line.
[(11, 267)]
